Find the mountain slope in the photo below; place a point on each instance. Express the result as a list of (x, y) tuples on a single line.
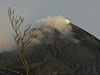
[(60, 48)]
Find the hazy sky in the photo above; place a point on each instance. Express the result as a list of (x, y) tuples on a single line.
[(83, 13)]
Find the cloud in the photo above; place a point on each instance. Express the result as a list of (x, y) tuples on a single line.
[(59, 23), (46, 28), (45, 31)]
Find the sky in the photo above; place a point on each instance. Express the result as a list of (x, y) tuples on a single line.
[(83, 13)]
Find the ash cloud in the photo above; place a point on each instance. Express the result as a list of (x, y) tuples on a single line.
[(45, 31), (46, 27), (7, 42), (59, 23)]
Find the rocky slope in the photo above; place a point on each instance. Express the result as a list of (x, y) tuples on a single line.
[(67, 50)]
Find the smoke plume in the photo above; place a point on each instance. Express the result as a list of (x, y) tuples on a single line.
[(45, 28)]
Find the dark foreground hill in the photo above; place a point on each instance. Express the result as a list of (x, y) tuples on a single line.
[(72, 51)]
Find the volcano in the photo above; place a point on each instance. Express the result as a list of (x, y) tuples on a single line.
[(60, 48)]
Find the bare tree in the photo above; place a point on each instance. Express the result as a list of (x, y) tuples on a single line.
[(21, 39)]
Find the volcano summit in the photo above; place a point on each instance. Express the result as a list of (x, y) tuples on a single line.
[(60, 48)]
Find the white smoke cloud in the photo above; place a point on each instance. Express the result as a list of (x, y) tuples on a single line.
[(59, 23), (45, 28), (45, 31)]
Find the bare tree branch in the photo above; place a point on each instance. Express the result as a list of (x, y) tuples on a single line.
[(1, 66), (22, 40)]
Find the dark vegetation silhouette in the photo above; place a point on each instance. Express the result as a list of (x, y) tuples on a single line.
[(56, 54)]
